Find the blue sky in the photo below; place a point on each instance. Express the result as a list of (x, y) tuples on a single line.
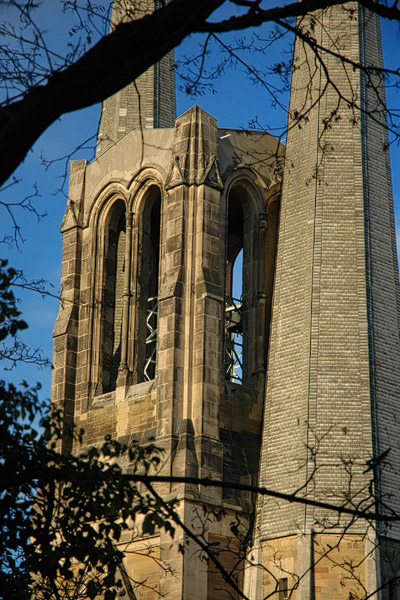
[(234, 103)]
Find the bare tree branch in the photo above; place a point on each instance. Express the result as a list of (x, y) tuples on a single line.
[(257, 16), (120, 57), (115, 61), (263, 491)]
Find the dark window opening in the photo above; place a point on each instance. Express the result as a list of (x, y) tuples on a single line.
[(393, 589), (113, 299), (283, 589)]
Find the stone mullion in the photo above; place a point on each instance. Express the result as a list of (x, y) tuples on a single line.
[(261, 295), (126, 295), (132, 341), (86, 308), (94, 351)]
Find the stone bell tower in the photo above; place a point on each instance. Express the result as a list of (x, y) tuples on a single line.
[(153, 345), (251, 331)]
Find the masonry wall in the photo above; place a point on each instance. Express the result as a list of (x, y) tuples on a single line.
[(333, 368), (330, 361), (207, 426), (340, 566), (381, 271)]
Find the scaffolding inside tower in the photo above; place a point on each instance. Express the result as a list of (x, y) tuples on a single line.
[(233, 340), (151, 338)]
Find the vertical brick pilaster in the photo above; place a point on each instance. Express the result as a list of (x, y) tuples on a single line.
[(65, 331)]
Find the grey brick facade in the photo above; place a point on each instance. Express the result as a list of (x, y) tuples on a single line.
[(333, 376)]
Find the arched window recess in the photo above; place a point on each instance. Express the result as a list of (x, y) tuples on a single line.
[(151, 338), (148, 284), (112, 306), (234, 325), (233, 336), (251, 238)]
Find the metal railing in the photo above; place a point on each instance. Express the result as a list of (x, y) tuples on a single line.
[(149, 370), (233, 340)]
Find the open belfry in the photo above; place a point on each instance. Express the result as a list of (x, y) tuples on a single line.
[(237, 303)]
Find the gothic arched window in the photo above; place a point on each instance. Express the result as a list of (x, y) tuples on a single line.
[(252, 232), (148, 287), (234, 291), (112, 302)]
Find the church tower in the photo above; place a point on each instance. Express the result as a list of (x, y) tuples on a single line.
[(151, 343), (247, 324), (146, 103), (332, 402)]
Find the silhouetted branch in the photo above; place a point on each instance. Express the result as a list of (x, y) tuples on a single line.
[(263, 491)]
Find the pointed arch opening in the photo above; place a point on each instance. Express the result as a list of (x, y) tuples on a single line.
[(252, 234), (112, 304), (233, 341), (148, 286)]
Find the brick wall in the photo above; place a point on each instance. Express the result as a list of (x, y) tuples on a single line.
[(335, 337)]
